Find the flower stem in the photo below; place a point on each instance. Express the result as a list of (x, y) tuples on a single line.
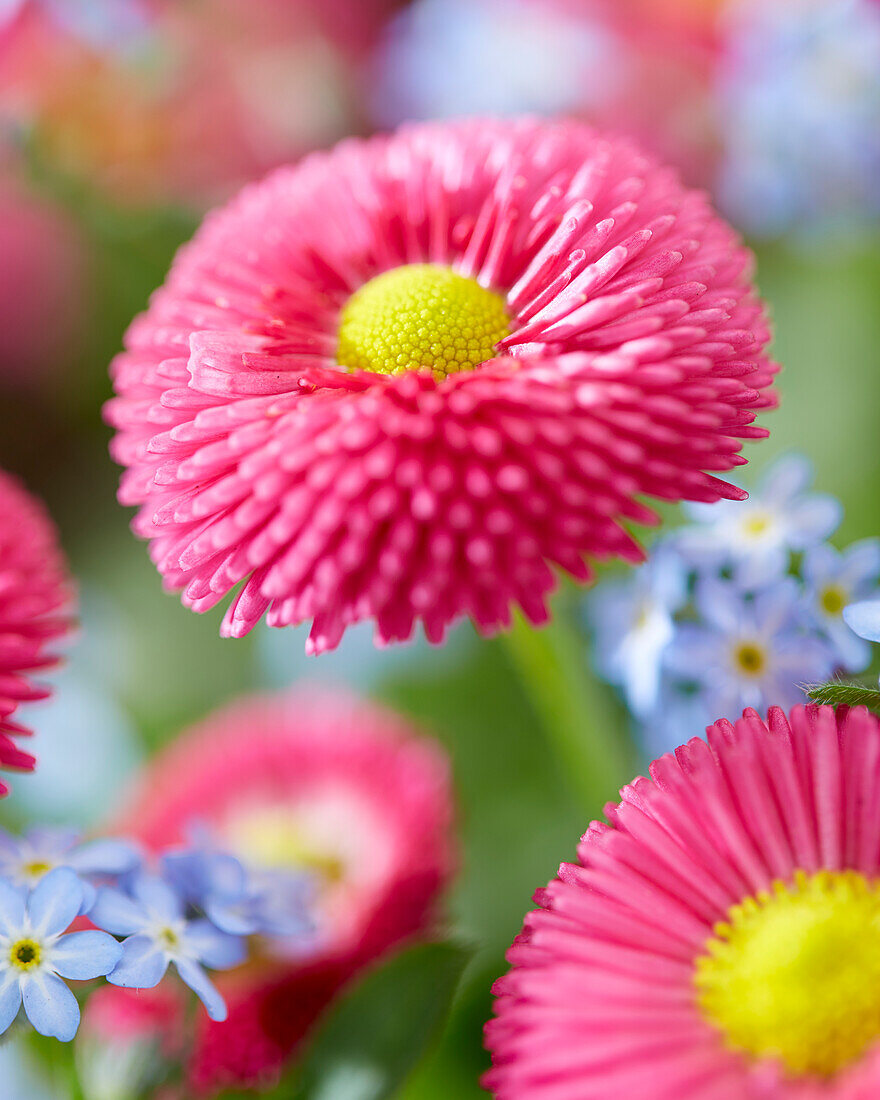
[(587, 735)]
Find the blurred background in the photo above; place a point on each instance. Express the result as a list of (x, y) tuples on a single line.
[(122, 121)]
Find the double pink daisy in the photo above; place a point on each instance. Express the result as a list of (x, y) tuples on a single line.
[(331, 786), (35, 595), (407, 378), (720, 938)]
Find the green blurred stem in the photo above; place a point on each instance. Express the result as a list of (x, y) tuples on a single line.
[(585, 732)]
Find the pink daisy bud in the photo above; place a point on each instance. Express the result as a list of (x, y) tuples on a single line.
[(406, 379), (720, 937), (35, 595), (337, 789)]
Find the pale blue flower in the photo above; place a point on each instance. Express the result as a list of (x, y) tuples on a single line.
[(749, 650), (152, 915), (26, 859), (632, 622), (443, 58), (241, 900), (35, 953), (835, 579), (754, 538), (800, 107)]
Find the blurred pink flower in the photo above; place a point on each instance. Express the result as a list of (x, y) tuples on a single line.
[(331, 786), (619, 353), (42, 287), (719, 937), (35, 596)]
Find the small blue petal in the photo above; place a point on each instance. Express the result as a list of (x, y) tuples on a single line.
[(158, 896), (214, 948), (10, 1000), (50, 1007), (864, 619), (105, 857), (55, 902), (85, 955), (115, 912), (199, 982), (142, 966), (90, 896), (237, 916), (12, 907)]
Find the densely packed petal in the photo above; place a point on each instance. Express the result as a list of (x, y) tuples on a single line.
[(34, 598), (261, 454), (719, 937)]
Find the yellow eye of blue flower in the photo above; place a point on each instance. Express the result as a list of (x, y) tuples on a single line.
[(25, 954)]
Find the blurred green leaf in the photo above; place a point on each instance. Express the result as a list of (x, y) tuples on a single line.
[(368, 1044)]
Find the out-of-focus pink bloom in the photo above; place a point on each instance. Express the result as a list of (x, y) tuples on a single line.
[(193, 101), (719, 937), (42, 288), (609, 314), (35, 595), (330, 786)]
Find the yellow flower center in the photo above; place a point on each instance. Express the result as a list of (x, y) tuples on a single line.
[(794, 973), (756, 525), (833, 599), (271, 839), (36, 869), (169, 938), (750, 658), (25, 954), (420, 316)]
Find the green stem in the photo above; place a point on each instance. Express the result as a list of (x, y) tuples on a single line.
[(575, 711)]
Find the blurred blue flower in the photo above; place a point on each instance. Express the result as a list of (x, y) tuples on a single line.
[(105, 24), (632, 622), (151, 915), (443, 58), (749, 650), (26, 859), (35, 954), (740, 608), (755, 537), (835, 579), (238, 900), (800, 106)]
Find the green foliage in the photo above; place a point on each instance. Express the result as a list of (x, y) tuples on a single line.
[(837, 693), (372, 1038)]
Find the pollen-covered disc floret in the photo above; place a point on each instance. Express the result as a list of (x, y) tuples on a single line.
[(795, 972), (413, 378), (720, 937), (35, 594), (420, 315)]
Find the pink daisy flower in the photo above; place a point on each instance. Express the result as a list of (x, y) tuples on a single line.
[(720, 937), (35, 595), (407, 378), (329, 785)]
